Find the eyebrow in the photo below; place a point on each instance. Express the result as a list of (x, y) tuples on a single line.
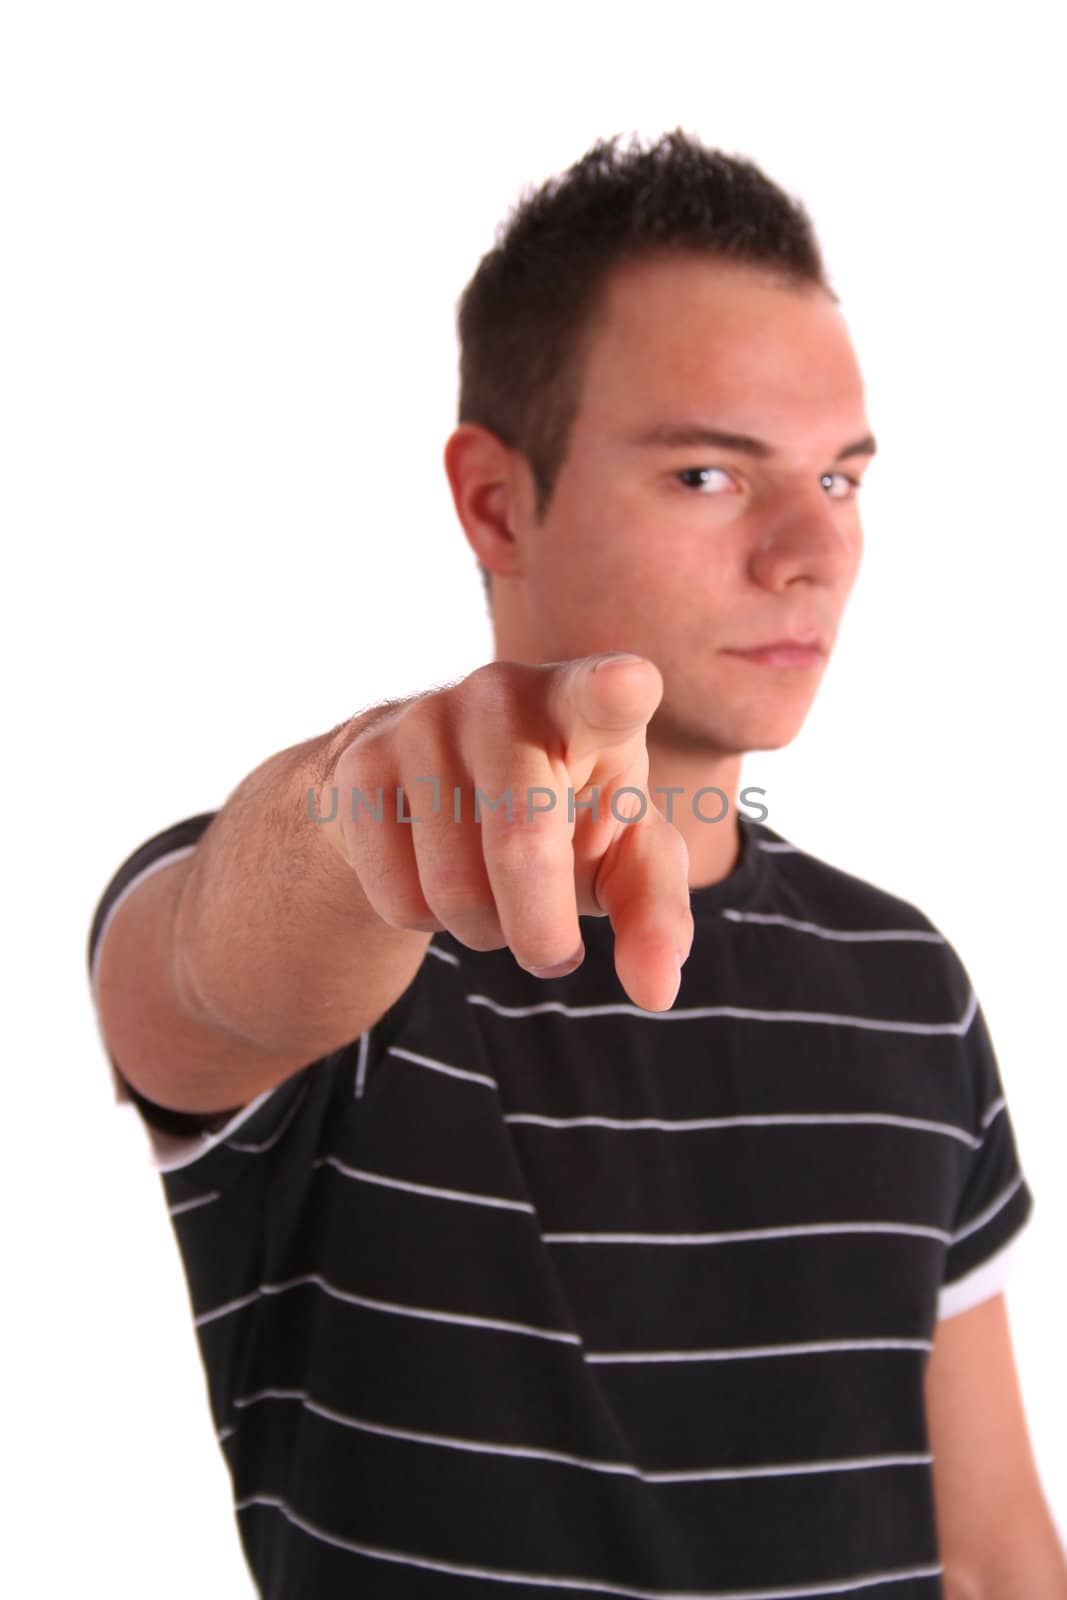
[(690, 435)]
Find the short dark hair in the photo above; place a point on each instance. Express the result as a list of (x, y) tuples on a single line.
[(525, 318)]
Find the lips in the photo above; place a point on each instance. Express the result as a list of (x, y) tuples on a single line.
[(795, 652), (808, 641)]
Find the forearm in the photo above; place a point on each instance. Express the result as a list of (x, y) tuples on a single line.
[(273, 939), (1030, 1565), (1038, 1571)]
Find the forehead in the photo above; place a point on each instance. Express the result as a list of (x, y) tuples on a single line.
[(687, 338)]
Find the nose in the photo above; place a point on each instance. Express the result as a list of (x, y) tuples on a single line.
[(806, 535)]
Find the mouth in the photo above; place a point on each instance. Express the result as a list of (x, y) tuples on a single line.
[(786, 653)]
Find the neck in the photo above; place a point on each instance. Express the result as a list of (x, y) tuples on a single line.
[(713, 845)]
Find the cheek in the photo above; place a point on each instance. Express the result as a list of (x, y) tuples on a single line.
[(855, 549), (600, 554), (622, 555)]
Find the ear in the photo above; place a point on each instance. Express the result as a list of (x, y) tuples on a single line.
[(493, 493)]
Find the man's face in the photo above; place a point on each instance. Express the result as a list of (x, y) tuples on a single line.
[(662, 541)]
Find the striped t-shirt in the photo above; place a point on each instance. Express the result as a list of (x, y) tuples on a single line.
[(527, 1291)]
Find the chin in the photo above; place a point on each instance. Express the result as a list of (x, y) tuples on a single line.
[(769, 741), (719, 718), (772, 731), (769, 722), (728, 736)]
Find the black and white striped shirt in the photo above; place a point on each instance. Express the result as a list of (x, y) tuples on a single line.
[(527, 1291)]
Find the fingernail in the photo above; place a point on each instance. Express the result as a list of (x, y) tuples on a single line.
[(615, 656), (561, 969)]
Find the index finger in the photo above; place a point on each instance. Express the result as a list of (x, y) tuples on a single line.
[(643, 885)]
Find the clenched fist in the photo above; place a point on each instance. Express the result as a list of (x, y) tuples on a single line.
[(514, 775)]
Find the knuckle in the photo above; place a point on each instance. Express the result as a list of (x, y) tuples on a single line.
[(363, 765), (484, 680), (487, 673), (374, 727), (390, 730), (477, 931), (406, 911), (491, 938), (463, 901), (456, 898), (396, 897), (547, 951), (521, 851), (488, 691)]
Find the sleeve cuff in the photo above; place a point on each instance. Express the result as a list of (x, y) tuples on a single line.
[(166, 1146), (984, 1281)]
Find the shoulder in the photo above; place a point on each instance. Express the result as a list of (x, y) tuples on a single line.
[(851, 913), (805, 877)]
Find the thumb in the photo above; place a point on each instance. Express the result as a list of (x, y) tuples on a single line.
[(603, 703)]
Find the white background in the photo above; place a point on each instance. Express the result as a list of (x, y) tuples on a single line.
[(234, 236)]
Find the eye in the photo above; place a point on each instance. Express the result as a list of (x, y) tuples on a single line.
[(710, 480), (846, 486)]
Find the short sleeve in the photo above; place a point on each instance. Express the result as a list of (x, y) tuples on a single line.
[(175, 1137), (995, 1202), (189, 1150)]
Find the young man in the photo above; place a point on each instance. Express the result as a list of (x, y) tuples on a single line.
[(599, 1194)]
